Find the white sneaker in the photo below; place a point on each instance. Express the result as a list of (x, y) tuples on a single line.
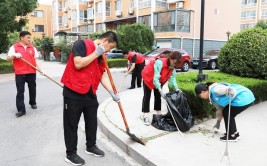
[(146, 121)]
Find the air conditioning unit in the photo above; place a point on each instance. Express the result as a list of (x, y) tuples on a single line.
[(69, 17), (65, 10), (89, 5), (33, 30), (180, 4), (33, 14), (66, 25), (118, 13), (131, 11)]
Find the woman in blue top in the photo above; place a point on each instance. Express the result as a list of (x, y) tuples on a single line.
[(221, 94)]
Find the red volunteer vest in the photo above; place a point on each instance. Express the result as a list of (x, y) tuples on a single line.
[(21, 67), (83, 79), (139, 58), (148, 73)]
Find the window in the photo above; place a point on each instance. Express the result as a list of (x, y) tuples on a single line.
[(248, 3), (107, 8), (248, 15), (83, 15), (74, 16), (90, 13), (59, 6), (170, 21), (90, 28), (145, 20), (118, 5), (60, 21), (82, 2), (64, 19), (83, 28), (144, 4), (38, 13), (183, 21), (264, 14), (99, 27), (161, 3), (243, 26), (132, 3), (39, 28), (99, 9), (264, 2)]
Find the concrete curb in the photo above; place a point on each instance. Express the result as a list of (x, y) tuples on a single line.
[(137, 151)]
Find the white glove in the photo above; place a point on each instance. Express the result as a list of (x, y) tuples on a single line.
[(100, 50), (17, 55), (116, 97), (162, 94), (42, 73), (231, 92)]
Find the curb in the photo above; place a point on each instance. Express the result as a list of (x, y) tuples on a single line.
[(138, 152)]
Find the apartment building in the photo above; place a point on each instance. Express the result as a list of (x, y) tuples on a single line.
[(40, 24), (175, 23), (252, 11)]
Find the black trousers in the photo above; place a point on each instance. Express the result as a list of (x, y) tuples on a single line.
[(146, 99), (71, 116), (137, 75), (20, 84), (233, 112)]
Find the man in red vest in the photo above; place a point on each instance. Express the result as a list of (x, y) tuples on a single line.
[(83, 73), (23, 72), (137, 62), (155, 75)]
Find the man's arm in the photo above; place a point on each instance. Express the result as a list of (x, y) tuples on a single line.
[(11, 54)]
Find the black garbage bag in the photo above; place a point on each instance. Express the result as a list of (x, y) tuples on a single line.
[(177, 105)]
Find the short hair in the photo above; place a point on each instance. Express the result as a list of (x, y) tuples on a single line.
[(111, 36), (24, 33), (125, 52)]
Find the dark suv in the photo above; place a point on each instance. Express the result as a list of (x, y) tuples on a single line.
[(210, 60)]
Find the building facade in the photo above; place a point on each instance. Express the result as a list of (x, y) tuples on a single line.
[(40, 24), (252, 11), (175, 23)]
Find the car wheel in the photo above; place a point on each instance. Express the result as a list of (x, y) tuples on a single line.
[(185, 66), (213, 65)]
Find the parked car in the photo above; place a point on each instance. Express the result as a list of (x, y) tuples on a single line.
[(210, 60), (162, 52), (114, 53)]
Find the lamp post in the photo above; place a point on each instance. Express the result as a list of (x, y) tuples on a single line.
[(228, 35), (201, 77)]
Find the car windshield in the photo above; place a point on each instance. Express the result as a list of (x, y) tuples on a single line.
[(212, 53)]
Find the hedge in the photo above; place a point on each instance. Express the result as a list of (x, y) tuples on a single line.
[(202, 108), (117, 62), (6, 67)]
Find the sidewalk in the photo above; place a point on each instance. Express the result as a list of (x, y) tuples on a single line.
[(199, 146)]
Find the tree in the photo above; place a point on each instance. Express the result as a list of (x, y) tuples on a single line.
[(137, 37), (13, 17), (245, 54), (262, 24)]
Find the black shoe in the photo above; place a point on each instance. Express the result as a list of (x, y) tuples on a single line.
[(19, 114), (95, 151), (34, 106), (236, 135), (131, 88), (230, 138), (74, 159), (139, 86)]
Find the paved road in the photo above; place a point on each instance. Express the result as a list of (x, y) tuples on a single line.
[(37, 138)]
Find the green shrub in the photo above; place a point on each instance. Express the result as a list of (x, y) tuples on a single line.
[(117, 62), (202, 108), (245, 54), (6, 67)]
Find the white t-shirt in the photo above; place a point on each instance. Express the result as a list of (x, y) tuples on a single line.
[(11, 51)]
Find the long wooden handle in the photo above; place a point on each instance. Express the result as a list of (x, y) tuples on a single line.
[(121, 83), (115, 91), (41, 72)]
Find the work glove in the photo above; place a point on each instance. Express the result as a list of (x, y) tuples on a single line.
[(162, 94), (230, 92), (116, 97), (42, 73), (17, 55), (100, 50)]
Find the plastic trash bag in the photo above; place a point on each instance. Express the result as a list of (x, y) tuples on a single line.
[(177, 104)]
